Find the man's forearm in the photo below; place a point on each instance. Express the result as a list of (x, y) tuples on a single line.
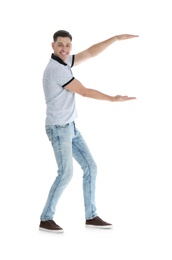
[(101, 46), (93, 93)]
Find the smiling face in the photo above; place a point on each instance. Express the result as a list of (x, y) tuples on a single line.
[(62, 47)]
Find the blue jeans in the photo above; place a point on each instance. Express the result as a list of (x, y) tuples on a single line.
[(68, 143)]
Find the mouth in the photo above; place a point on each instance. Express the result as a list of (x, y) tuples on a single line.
[(64, 54)]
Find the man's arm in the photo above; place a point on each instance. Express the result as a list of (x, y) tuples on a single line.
[(97, 48), (77, 87)]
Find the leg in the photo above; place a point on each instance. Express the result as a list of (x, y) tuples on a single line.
[(83, 156), (61, 139)]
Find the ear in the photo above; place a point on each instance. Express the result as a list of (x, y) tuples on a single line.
[(52, 45)]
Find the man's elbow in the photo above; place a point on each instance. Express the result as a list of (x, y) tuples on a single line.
[(86, 92)]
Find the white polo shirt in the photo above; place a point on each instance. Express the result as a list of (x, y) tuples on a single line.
[(61, 108)]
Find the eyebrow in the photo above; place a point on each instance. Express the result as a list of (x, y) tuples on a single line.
[(64, 43)]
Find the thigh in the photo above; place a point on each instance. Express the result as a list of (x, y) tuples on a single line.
[(61, 140), (81, 151)]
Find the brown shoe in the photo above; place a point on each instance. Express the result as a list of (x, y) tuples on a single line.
[(97, 223), (50, 226)]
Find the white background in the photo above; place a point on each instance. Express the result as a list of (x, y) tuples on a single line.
[(130, 141)]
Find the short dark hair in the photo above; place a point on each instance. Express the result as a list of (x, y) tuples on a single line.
[(61, 33)]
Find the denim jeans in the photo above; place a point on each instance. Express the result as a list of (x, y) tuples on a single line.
[(68, 143)]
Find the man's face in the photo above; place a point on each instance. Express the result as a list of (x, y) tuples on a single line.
[(62, 47)]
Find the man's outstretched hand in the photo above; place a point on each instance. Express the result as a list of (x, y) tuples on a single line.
[(125, 36), (122, 98)]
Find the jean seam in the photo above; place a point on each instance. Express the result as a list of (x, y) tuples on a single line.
[(61, 158), (89, 173)]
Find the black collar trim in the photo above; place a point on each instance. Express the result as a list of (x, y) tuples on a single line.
[(54, 57)]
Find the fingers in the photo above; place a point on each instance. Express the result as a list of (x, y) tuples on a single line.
[(126, 36), (123, 98), (131, 35), (130, 98)]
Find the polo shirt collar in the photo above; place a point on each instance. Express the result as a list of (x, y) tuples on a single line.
[(54, 57)]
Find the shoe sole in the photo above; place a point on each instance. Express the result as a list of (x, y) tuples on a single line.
[(51, 231), (100, 227)]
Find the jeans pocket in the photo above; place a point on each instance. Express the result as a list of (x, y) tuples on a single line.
[(49, 133)]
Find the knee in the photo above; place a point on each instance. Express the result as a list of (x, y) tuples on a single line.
[(93, 167), (68, 177), (65, 174)]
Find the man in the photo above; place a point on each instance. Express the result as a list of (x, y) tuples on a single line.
[(60, 87)]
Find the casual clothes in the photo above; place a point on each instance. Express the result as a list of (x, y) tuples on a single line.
[(65, 138), (60, 102)]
